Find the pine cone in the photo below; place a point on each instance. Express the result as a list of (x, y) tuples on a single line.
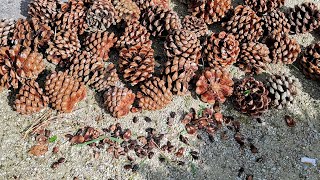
[(137, 63), (304, 18), (276, 22), (100, 43), (210, 10), (104, 78), (160, 21), (221, 49), (45, 10), (245, 25), (30, 98), (134, 34), (126, 10), (214, 85), (253, 57), (310, 62), (64, 91), (6, 31), (18, 64), (118, 101), (144, 4), (101, 15), (154, 95), (263, 6), (282, 89), (196, 25), (65, 44), (251, 97), (22, 33), (183, 43)]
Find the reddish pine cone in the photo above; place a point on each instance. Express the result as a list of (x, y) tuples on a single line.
[(263, 6), (210, 11), (126, 10), (118, 101), (45, 10), (221, 49), (64, 91), (144, 4), (310, 62), (104, 78), (214, 85), (276, 22), (251, 97), (6, 30), (22, 34), (154, 95), (30, 98), (245, 25), (196, 25), (101, 15)]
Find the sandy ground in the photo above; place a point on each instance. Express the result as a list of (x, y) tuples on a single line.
[(280, 147)]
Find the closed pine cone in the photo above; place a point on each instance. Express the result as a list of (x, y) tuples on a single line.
[(183, 43), (276, 21), (263, 6), (100, 43), (196, 25), (101, 15), (221, 49), (6, 31), (64, 91), (304, 18), (282, 89), (118, 101), (104, 78), (160, 21), (134, 34), (154, 95), (251, 97), (126, 10), (210, 10), (65, 44), (30, 98), (214, 85), (245, 24), (310, 62), (137, 63), (45, 10), (253, 57), (18, 64)]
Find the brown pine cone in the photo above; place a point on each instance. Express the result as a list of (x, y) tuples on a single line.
[(210, 11), (310, 62), (263, 6), (100, 43), (104, 78), (118, 101), (282, 89), (196, 25), (253, 57), (6, 31), (64, 91), (160, 21), (18, 64), (214, 85), (134, 34), (137, 63), (126, 10), (101, 15), (304, 18), (245, 25), (221, 49), (154, 95), (22, 33), (45, 10), (42, 34), (183, 43), (144, 4), (30, 98), (251, 97), (65, 44), (276, 21)]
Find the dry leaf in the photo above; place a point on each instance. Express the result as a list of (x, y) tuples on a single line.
[(38, 150)]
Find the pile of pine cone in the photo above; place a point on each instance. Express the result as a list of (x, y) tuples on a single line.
[(78, 36)]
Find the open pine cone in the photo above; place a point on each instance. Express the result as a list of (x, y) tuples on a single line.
[(104, 78), (253, 57), (214, 85), (137, 63), (263, 6), (30, 98), (282, 89), (144, 4), (45, 10), (64, 91), (276, 22), (101, 15), (304, 18), (118, 101), (245, 24), (251, 97), (22, 33), (196, 25), (210, 11), (310, 62), (221, 49), (126, 10), (6, 31), (154, 95)]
